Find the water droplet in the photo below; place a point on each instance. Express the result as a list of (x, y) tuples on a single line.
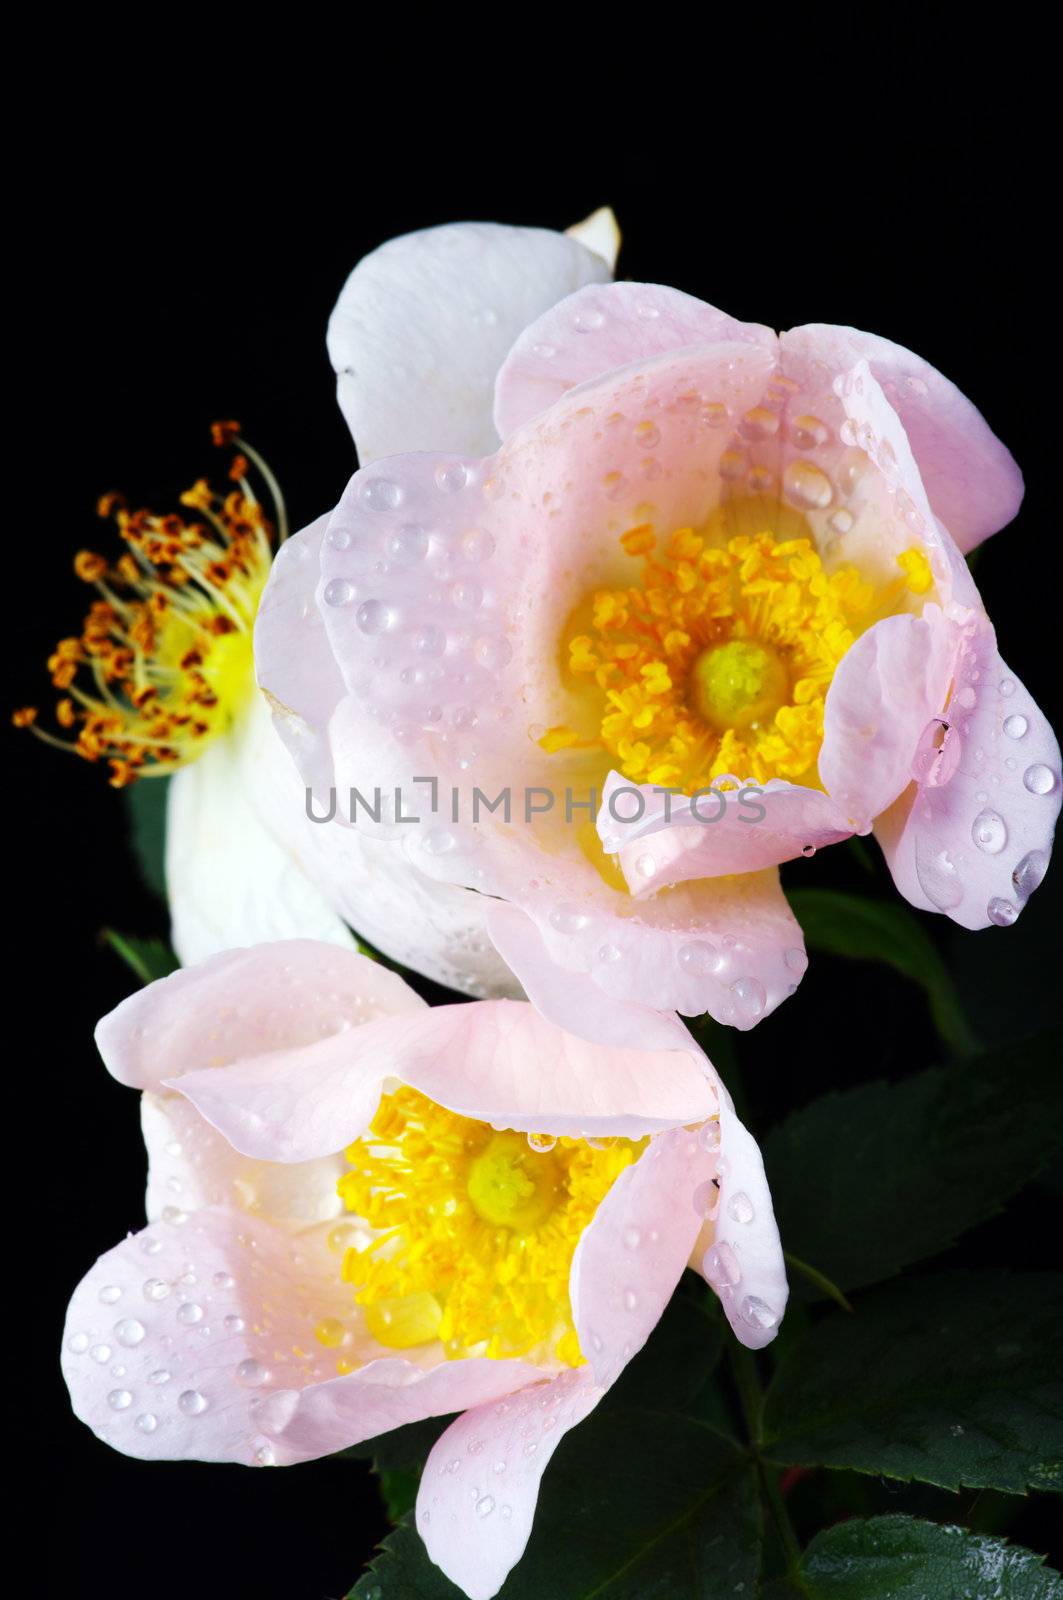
[(379, 494), (1029, 872), (223, 1280), (699, 958), (741, 1207), (541, 1143), (264, 1456), (1001, 912), (796, 959), (609, 953), (841, 521), (1015, 726), (110, 1293), (373, 616), (721, 1266), (147, 1422), (1039, 779), (709, 1135), (937, 874), (338, 592), (174, 1216), (234, 1324), (190, 1313), (485, 1505), (808, 432), (989, 832), (631, 1300), (159, 1376), (937, 754), (808, 851), (338, 538), (568, 919), (477, 545), (437, 842), (451, 477), (632, 1238), (192, 1403), (119, 1399), (805, 484), (587, 320), (647, 435), (750, 995), (407, 544), (155, 1288), (78, 1343), (758, 1313), (252, 1373), (493, 653), (1007, 687), (430, 641), (129, 1332), (706, 1198)]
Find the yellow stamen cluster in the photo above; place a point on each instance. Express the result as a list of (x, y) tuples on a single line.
[(473, 1230), (164, 658), (720, 660)]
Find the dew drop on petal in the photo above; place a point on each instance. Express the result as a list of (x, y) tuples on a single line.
[(1030, 871), (698, 958), (1001, 912), (119, 1399), (1039, 779), (338, 592), (721, 1266), (129, 1332), (1015, 726), (147, 1422), (706, 1198), (741, 1207), (989, 832), (541, 1143), (758, 1313), (192, 1403)]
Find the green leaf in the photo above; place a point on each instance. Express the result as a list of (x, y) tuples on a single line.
[(636, 1505), (901, 1558), (398, 1490), (148, 958), (952, 1379), (864, 929), (146, 809), (867, 1181)]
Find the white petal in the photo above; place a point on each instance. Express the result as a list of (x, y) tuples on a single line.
[(230, 882), (423, 324), (600, 232)]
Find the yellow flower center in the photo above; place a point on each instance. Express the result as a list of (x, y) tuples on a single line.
[(164, 660), (738, 685), (469, 1232), (719, 660)]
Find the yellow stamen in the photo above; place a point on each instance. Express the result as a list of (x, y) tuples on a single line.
[(472, 1231), (719, 659), (163, 663)]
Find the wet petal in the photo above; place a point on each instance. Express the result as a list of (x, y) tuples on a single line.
[(423, 324)]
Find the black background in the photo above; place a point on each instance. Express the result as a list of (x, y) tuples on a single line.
[(176, 268)]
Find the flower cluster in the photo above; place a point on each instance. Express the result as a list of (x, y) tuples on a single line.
[(604, 539)]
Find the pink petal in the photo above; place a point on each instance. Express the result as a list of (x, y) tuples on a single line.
[(423, 324), (191, 1166), (480, 1483), (174, 1348), (598, 329), (293, 661), (161, 1352), (632, 1254), (975, 837), (273, 998), (385, 1394), (973, 483), (676, 839), (887, 688), (496, 1061), (730, 946)]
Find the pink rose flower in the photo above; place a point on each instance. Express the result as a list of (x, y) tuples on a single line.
[(705, 556), (363, 1212)]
